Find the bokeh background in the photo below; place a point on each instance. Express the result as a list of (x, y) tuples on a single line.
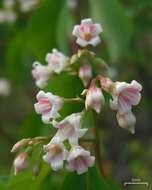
[(27, 33)]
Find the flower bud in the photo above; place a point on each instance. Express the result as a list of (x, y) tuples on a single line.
[(19, 144), (85, 74), (21, 162), (94, 99), (106, 83)]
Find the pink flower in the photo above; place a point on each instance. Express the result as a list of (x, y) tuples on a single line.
[(48, 105), (55, 155), (125, 95), (41, 74), (94, 99), (57, 61), (79, 160), (21, 162), (87, 33), (69, 128), (127, 121), (85, 74)]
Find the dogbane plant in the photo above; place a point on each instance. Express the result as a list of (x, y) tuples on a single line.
[(64, 149)]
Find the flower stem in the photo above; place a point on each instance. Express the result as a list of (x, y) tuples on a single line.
[(97, 145), (77, 99)]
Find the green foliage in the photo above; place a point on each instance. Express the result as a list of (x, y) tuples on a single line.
[(116, 25), (42, 28), (89, 181)]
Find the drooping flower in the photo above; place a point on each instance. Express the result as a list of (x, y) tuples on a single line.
[(48, 105), (21, 162), (69, 128), (87, 33), (125, 95), (41, 74), (85, 74), (127, 121), (94, 98), (79, 160), (55, 155), (57, 61)]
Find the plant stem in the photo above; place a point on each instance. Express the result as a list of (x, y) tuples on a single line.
[(68, 100), (97, 145)]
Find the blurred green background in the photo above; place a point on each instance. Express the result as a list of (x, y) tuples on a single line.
[(126, 47)]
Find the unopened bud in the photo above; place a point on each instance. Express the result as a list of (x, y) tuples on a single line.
[(19, 145), (21, 162), (106, 83), (85, 74), (94, 99)]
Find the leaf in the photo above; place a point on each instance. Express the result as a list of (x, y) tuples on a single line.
[(64, 29), (65, 85), (42, 28), (25, 180), (17, 58), (31, 127), (88, 181), (116, 25)]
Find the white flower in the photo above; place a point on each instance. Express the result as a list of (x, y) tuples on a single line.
[(69, 128), (27, 5), (41, 74), (57, 61), (85, 74), (8, 16), (8, 3), (55, 155), (94, 99), (125, 95), (5, 87), (21, 162), (48, 105), (79, 160), (72, 4), (127, 121), (87, 33)]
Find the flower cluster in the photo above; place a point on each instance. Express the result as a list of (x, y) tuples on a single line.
[(64, 147)]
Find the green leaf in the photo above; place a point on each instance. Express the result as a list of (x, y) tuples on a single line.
[(42, 28), (88, 181), (32, 126), (117, 28), (17, 58), (65, 85), (64, 29)]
